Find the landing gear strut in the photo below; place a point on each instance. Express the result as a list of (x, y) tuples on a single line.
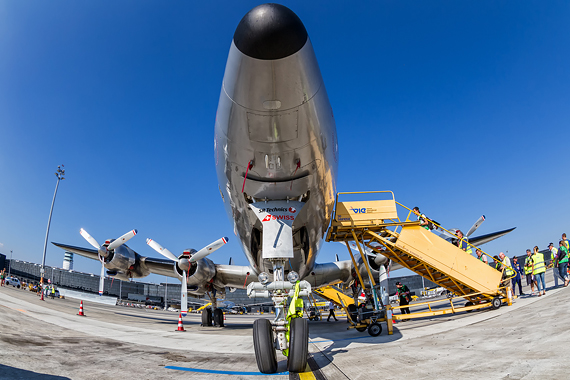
[(287, 332)]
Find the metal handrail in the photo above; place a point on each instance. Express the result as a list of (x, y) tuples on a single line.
[(407, 219)]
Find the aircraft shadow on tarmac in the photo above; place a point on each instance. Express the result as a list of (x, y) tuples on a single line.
[(339, 338), (169, 321), (17, 373)]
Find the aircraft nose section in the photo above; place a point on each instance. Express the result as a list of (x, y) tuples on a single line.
[(270, 31)]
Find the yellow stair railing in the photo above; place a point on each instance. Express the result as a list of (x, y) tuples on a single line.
[(376, 225)]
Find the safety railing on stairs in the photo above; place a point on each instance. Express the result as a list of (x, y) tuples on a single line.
[(379, 218)]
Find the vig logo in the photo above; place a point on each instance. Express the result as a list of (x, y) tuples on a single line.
[(358, 210)]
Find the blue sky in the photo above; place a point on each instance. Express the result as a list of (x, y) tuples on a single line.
[(460, 108)]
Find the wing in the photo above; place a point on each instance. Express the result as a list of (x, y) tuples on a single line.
[(86, 252), (477, 241)]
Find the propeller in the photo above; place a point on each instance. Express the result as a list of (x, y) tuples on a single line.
[(476, 225), (184, 264), (104, 249), (208, 249)]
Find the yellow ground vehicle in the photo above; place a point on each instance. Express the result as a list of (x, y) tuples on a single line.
[(376, 225)]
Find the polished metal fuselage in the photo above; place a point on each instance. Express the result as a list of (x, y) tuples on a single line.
[(275, 123)]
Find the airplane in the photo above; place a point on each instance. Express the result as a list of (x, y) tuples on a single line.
[(276, 157)]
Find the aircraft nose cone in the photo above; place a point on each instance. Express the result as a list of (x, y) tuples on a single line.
[(270, 31)]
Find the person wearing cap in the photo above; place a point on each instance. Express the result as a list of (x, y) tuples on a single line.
[(554, 257), (562, 260), (518, 278), (538, 270), (528, 271), (404, 297)]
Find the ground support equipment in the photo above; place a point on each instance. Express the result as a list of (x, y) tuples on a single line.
[(376, 225)]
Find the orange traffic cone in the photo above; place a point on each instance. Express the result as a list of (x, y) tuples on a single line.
[(180, 326), (81, 313)]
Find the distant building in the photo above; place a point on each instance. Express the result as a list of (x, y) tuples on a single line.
[(68, 261), (2, 261)]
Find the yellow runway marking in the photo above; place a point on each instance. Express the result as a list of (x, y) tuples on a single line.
[(308, 375)]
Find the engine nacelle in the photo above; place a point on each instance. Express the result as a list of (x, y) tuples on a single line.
[(200, 275), (121, 259)]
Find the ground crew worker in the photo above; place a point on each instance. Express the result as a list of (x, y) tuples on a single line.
[(52, 292), (480, 256), (518, 278), (331, 312), (498, 265), (404, 297), (562, 260), (2, 277), (462, 242), (538, 270), (528, 270), (507, 272), (554, 255)]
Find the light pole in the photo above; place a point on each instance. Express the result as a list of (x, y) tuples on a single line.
[(60, 175), (166, 294)]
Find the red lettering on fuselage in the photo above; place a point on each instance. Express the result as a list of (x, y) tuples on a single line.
[(278, 217)]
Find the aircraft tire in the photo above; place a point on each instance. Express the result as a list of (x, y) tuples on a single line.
[(298, 345), (375, 329), (361, 329), (218, 318), (467, 304), (496, 303), (264, 346), (206, 317)]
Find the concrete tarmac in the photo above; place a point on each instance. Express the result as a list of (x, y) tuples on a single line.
[(47, 340)]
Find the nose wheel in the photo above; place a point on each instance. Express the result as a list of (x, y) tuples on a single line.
[(264, 345), (298, 345)]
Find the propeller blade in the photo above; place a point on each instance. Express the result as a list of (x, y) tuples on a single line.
[(231, 261), (336, 256), (208, 249), (160, 249), (184, 295), (476, 225), (122, 240), (89, 239), (102, 278)]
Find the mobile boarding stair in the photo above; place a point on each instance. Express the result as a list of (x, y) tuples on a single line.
[(376, 225)]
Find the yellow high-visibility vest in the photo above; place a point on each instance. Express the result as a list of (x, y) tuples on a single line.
[(508, 271), (539, 266), (528, 265)]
